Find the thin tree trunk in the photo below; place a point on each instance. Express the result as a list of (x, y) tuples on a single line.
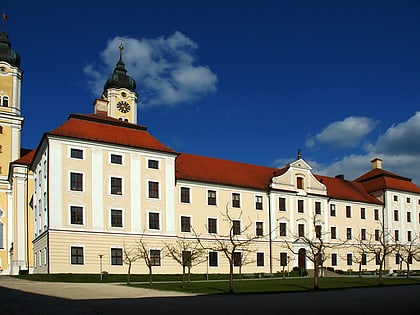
[(183, 276), (231, 290), (150, 276), (129, 273), (316, 277), (360, 269)]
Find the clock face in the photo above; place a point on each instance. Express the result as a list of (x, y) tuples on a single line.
[(123, 107)]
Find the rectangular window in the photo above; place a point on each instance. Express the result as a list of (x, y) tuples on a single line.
[(348, 211), (116, 186), (333, 233), (76, 154), (116, 159), (397, 259), (213, 259), (116, 218), (282, 204), (236, 200), (283, 259), (409, 236), (334, 259), (332, 210), (116, 256), (301, 208), (153, 190), (395, 198), (260, 259), (377, 233), (349, 259), (348, 234), (153, 164), (317, 207), (396, 216), (259, 229), (186, 258), (212, 225), (283, 228), (76, 214), (376, 214), (408, 217), (364, 259), (377, 258), (236, 227), (397, 235), (76, 255), (153, 220), (408, 200), (258, 202), (185, 224), (363, 234), (211, 197), (76, 181), (185, 195), (362, 213), (155, 257), (318, 230), (237, 259), (301, 230)]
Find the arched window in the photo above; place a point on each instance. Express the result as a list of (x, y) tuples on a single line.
[(299, 182), (5, 101)]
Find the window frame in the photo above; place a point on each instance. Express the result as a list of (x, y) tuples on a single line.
[(185, 227), (76, 182), (259, 228), (259, 200), (210, 226), (210, 198), (236, 200), (116, 260), (156, 258), (113, 185), (81, 214), (75, 256), (113, 160), (184, 194), (151, 220), (79, 154), (153, 164), (113, 220)]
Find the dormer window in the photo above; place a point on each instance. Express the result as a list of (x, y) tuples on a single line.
[(299, 182)]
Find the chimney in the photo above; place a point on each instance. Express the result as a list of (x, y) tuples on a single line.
[(376, 163), (340, 176), (101, 107)]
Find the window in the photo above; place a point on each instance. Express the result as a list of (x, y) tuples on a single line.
[(213, 259), (301, 230), (301, 206), (397, 235), (410, 259), (377, 258), (363, 234), (260, 259), (282, 228), (116, 159), (362, 213), (408, 200), (155, 257), (116, 256), (212, 225), (258, 202), (211, 198), (283, 259), (333, 233), (397, 259), (236, 227), (116, 218), (395, 198), (76, 215), (377, 233), (185, 224), (282, 204), (76, 255), (348, 234), (153, 164), (409, 217), (318, 230), (153, 221), (317, 207), (376, 214), (76, 181), (396, 215), (259, 229), (334, 259), (116, 186), (364, 259), (349, 259), (76, 153), (5, 101), (237, 259), (348, 211), (186, 258), (332, 210), (153, 190), (299, 182), (185, 195), (236, 200), (409, 236)]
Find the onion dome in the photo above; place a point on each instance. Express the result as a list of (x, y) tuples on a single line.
[(119, 78), (7, 54)]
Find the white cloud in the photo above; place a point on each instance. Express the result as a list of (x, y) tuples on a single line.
[(164, 69), (345, 133)]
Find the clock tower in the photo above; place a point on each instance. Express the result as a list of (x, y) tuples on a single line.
[(119, 98)]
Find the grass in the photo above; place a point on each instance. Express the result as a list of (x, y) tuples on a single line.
[(219, 284)]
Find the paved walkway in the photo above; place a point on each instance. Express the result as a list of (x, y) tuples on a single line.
[(84, 291)]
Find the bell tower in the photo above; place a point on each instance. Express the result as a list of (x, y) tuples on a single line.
[(119, 98)]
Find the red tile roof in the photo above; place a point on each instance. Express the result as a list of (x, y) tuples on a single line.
[(379, 179), (108, 130), (26, 159)]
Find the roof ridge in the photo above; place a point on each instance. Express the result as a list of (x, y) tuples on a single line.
[(106, 120)]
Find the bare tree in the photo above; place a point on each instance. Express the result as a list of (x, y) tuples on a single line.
[(360, 253), (149, 256), (409, 251), (131, 255), (235, 243), (187, 253)]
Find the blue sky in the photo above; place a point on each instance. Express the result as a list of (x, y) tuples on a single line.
[(251, 81)]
